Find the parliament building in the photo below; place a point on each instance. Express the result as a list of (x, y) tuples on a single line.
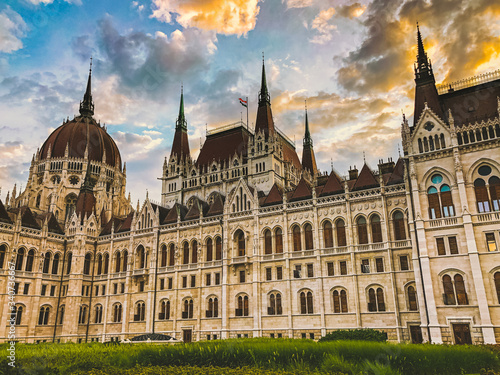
[(249, 240)]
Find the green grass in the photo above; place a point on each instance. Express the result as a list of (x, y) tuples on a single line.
[(262, 356)]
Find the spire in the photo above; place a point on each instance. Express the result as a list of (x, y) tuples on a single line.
[(422, 56), (307, 135), (85, 203), (87, 182), (264, 97), (181, 122), (423, 67), (425, 91), (180, 145), (264, 122), (308, 158), (87, 106)]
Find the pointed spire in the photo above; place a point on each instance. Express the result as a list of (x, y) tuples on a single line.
[(264, 122), (180, 144), (264, 97), (308, 157), (421, 56), (87, 182), (86, 202), (87, 106), (307, 135), (181, 119), (138, 207), (423, 67)]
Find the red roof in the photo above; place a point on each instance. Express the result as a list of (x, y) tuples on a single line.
[(289, 153), (427, 93), (176, 211), (274, 197), (85, 204), (473, 104), (302, 191), (27, 218), (52, 223), (309, 160), (78, 134), (397, 176), (366, 179), (180, 145), (4, 216), (264, 121), (223, 146), (333, 185), (217, 207)]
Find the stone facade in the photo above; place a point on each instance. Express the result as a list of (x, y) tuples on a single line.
[(248, 243)]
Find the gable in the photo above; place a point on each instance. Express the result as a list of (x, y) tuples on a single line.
[(430, 133)]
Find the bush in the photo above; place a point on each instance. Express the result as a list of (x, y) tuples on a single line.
[(356, 334)]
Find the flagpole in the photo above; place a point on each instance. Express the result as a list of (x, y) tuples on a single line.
[(247, 113)]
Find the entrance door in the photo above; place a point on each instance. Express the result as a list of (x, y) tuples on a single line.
[(462, 334), (416, 334), (187, 335)]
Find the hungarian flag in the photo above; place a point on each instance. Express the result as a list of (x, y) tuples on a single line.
[(243, 103)]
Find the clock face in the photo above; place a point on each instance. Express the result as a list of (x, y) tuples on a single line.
[(428, 126)]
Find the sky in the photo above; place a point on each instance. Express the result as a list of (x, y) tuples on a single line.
[(351, 60)]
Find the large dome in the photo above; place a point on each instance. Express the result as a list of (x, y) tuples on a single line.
[(79, 134)]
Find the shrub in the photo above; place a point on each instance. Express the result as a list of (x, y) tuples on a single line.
[(356, 334)]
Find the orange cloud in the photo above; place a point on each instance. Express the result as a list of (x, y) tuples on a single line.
[(230, 17), (322, 24)]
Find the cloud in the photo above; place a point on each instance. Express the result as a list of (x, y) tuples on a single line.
[(12, 30), (136, 5), (322, 25), (458, 35), (351, 11), (148, 63), (230, 17), (298, 3), (135, 146), (45, 2)]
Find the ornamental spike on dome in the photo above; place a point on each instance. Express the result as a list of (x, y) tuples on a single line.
[(87, 105)]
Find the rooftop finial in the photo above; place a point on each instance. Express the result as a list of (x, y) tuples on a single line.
[(87, 106)]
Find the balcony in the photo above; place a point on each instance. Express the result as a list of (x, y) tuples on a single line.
[(401, 243), (335, 250), (443, 222), (303, 253), (239, 260), (273, 256), (140, 272), (486, 218)]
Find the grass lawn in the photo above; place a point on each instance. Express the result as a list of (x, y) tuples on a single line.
[(252, 357)]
